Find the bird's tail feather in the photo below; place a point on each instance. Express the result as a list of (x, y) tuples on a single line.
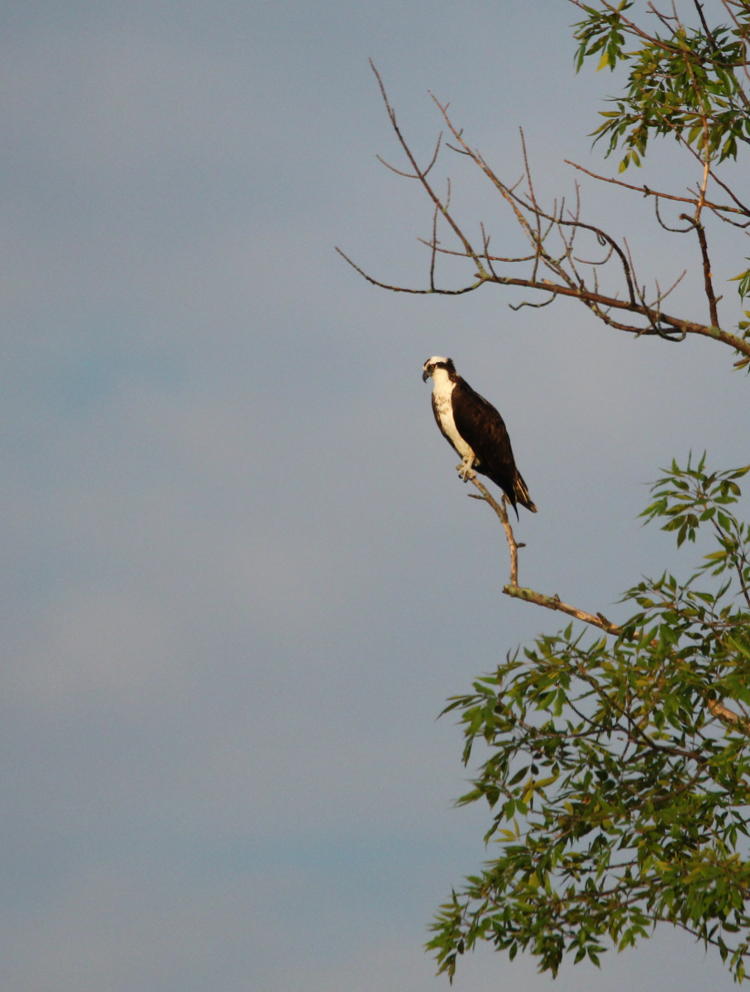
[(521, 492)]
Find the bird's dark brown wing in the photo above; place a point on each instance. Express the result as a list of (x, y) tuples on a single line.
[(483, 428)]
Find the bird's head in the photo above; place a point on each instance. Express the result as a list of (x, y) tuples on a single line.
[(437, 362)]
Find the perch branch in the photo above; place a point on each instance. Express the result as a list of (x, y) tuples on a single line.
[(502, 513), (529, 595), (555, 603)]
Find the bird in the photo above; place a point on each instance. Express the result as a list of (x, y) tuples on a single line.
[(475, 429)]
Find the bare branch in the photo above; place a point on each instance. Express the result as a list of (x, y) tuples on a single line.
[(510, 198), (486, 249), (663, 295), (433, 246), (663, 223), (409, 175), (489, 258), (406, 289), (707, 280), (743, 208), (647, 191), (596, 261), (502, 513), (641, 315), (422, 174), (535, 306), (555, 603), (529, 595)]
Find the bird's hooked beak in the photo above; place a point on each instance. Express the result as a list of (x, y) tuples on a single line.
[(426, 374)]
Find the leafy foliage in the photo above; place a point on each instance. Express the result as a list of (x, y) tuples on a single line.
[(687, 82), (617, 771)]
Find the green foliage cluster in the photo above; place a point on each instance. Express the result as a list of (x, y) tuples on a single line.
[(617, 770), (687, 82)]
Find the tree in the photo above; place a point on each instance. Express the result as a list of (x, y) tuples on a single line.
[(617, 775), (616, 766)]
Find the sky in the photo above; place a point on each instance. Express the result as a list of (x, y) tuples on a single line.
[(241, 577)]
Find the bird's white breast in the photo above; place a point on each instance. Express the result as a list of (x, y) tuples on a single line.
[(442, 390)]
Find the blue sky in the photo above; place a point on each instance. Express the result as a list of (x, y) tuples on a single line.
[(241, 576)]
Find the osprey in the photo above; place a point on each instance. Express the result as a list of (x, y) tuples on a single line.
[(475, 429)]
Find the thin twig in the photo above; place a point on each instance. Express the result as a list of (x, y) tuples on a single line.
[(647, 191), (408, 289), (433, 246), (421, 174), (534, 306), (410, 175), (489, 258)]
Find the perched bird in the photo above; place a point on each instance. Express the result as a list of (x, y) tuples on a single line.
[(475, 429)]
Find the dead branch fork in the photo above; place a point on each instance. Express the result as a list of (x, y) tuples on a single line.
[(560, 270)]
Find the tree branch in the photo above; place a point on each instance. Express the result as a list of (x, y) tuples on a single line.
[(421, 174), (502, 514), (529, 595), (707, 280), (406, 289), (538, 225), (729, 717), (555, 603), (647, 191)]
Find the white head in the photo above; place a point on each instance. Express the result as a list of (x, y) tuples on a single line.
[(437, 362)]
